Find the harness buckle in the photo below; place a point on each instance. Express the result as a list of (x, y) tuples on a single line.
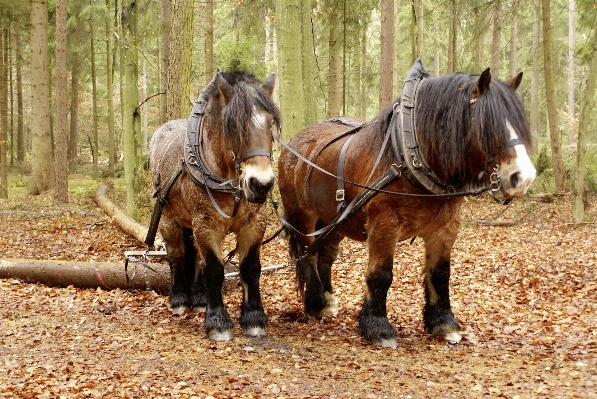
[(339, 195)]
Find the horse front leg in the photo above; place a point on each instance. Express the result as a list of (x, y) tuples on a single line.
[(373, 318), (437, 313), (252, 318)]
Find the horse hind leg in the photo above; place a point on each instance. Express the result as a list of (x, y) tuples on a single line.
[(194, 274), (180, 268), (218, 324), (253, 319), (437, 313)]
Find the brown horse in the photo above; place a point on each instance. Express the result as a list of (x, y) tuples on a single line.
[(468, 132), (221, 167)]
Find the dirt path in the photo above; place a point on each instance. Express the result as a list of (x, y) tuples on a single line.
[(524, 294)]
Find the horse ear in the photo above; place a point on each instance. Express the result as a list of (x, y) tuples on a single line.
[(481, 86), (224, 88), (269, 84), (515, 81)]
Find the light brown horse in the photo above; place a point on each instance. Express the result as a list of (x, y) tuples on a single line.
[(468, 128), (220, 187)]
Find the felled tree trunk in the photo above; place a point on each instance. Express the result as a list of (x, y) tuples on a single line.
[(127, 224), (104, 275)]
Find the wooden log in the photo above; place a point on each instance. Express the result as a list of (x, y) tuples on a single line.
[(104, 275), (127, 224)]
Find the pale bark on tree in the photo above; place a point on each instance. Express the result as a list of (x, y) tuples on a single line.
[(571, 27), (534, 111), (165, 56), (178, 84), (334, 74), (583, 133), (436, 47), (42, 176), (417, 29), (20, 111), (3, 119), (480, 30), (205, 41), (60, 134), (363, 53), (496, 38), (143, 108), (452, 32), (110, 94), (131, 122), (73, 146), (308, 49), (514, 38), (94, 116), (550, 98), (290, 75), (386, 67)]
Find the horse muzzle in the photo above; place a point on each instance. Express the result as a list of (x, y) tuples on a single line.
[(257, 184), (516, 180)]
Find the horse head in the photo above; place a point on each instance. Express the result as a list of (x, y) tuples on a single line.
[(499, 115), (248, 116)]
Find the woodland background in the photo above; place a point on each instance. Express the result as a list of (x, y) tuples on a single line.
[(89, 81)]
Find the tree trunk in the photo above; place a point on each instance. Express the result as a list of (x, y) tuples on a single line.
[(42, 178), (165, 58), (178, 84), (20, 111), (3, 118), (436, 47), (386, 66), (94, 131), (308, 58), (550, 98), (514, 38), (497, 36), (452, 38), (60, 139), (107, 276), (334, 74), (583, 133), (205, 42), (73, 147), (110, 94), (292, 97), (143, 107), (131, 123), (534, 111), (571, 71)]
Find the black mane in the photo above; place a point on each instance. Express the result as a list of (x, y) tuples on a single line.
[(457, 135), (248, 92)]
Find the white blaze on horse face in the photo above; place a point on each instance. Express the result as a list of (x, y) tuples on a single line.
[(257, 171), (518, 172)]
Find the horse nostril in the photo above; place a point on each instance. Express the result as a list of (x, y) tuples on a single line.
[(260, 188), (514, 180)]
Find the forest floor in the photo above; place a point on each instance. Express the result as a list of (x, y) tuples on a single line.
[(525, 295)]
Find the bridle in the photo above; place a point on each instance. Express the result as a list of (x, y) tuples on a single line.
[(195, 165)]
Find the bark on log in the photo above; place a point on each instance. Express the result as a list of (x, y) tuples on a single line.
[(127, 224), (104, 275)]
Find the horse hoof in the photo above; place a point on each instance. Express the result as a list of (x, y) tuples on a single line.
[(220, 335), (199, 309), (179, 310), (255, 332), (387, 343), (331, 307), (453, 337)]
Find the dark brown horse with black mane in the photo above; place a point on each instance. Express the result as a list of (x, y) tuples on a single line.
[(444, 138), (212, 174)]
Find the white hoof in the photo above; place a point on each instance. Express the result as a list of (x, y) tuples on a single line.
[(179, 310), (221, 336), (387, 343), (453, 337), (199, 309), (255, 332), (331, 309)]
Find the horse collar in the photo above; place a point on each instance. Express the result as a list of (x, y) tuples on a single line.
[(404, 139)]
